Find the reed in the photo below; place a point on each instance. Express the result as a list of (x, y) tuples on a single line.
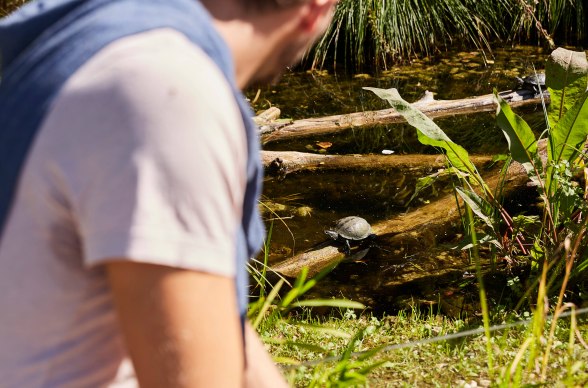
[(7, 6), (378, 33)]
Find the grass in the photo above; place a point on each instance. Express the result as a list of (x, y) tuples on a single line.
[(376, 33), (352, 347), (451, 363), (543, 349)]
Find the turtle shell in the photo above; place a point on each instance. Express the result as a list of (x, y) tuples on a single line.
[(352, 228), (534, 80)]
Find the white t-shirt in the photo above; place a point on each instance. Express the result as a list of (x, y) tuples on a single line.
[(142, 156)]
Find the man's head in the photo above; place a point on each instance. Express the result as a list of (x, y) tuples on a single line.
[(267, 36), (262, 5)]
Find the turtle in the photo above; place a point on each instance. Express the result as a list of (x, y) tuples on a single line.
[(352, 228), (534, 82)]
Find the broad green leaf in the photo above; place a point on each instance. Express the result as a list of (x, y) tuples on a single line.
[(566, 79), (521, 140), (466, 243), (478, 205), (429, 180), (427, 131), (569, 135), (329, 303)]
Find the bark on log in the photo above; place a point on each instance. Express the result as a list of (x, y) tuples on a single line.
[(267, 116), (423, 225), (285, 162), (433, 109)]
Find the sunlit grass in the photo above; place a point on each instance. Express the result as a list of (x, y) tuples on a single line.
[(443, 363)]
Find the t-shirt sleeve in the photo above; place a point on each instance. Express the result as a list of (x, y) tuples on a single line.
[(155, 155)]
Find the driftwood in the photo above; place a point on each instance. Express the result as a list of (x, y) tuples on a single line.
[(284, 162), (423, 226), (432, 108), (267, 116)]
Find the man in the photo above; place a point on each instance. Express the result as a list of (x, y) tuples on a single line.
[(129, 177)]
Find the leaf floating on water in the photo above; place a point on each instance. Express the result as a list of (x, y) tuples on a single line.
[(303, 211), (324, 144)]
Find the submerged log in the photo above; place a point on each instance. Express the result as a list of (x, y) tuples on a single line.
[(423, 225), (432, 108), (284, 162)]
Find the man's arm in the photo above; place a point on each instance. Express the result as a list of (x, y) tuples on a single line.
[(261, 372), (181, 327)]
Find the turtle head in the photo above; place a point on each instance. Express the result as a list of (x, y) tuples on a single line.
[(332, 234)]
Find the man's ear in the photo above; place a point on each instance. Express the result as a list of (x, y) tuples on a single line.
[(315, 13)]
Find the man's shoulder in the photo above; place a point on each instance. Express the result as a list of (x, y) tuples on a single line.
[(148, 81), (147, 58)]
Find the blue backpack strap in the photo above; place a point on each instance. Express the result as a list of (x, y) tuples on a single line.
[(60, 36)]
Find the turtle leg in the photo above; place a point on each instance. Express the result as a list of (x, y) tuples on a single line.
[(347, 248)]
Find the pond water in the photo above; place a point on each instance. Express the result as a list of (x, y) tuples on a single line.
[(300, 207)]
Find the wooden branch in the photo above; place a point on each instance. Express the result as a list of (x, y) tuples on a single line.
[(285, 162), (267, 116), (433, 109)]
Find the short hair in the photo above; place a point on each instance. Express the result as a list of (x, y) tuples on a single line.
[(269, 4)]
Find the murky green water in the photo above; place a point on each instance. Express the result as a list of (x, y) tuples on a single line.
[(453, 76), (308, 202)]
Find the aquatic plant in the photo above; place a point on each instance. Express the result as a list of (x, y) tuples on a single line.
[(555, 249), (543, 20), (376, 33)]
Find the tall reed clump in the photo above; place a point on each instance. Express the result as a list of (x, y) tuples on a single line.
[(376, 33), (544, 20), (373, 32), (551, 245)]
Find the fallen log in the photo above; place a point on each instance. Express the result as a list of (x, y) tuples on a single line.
[(285, 162), (433, 108), (422, 226), (267, 116)]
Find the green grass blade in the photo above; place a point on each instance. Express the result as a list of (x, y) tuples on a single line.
[(341, 303), (266, 305)]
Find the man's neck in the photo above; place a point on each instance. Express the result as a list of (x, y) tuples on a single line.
[(252, 39)]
